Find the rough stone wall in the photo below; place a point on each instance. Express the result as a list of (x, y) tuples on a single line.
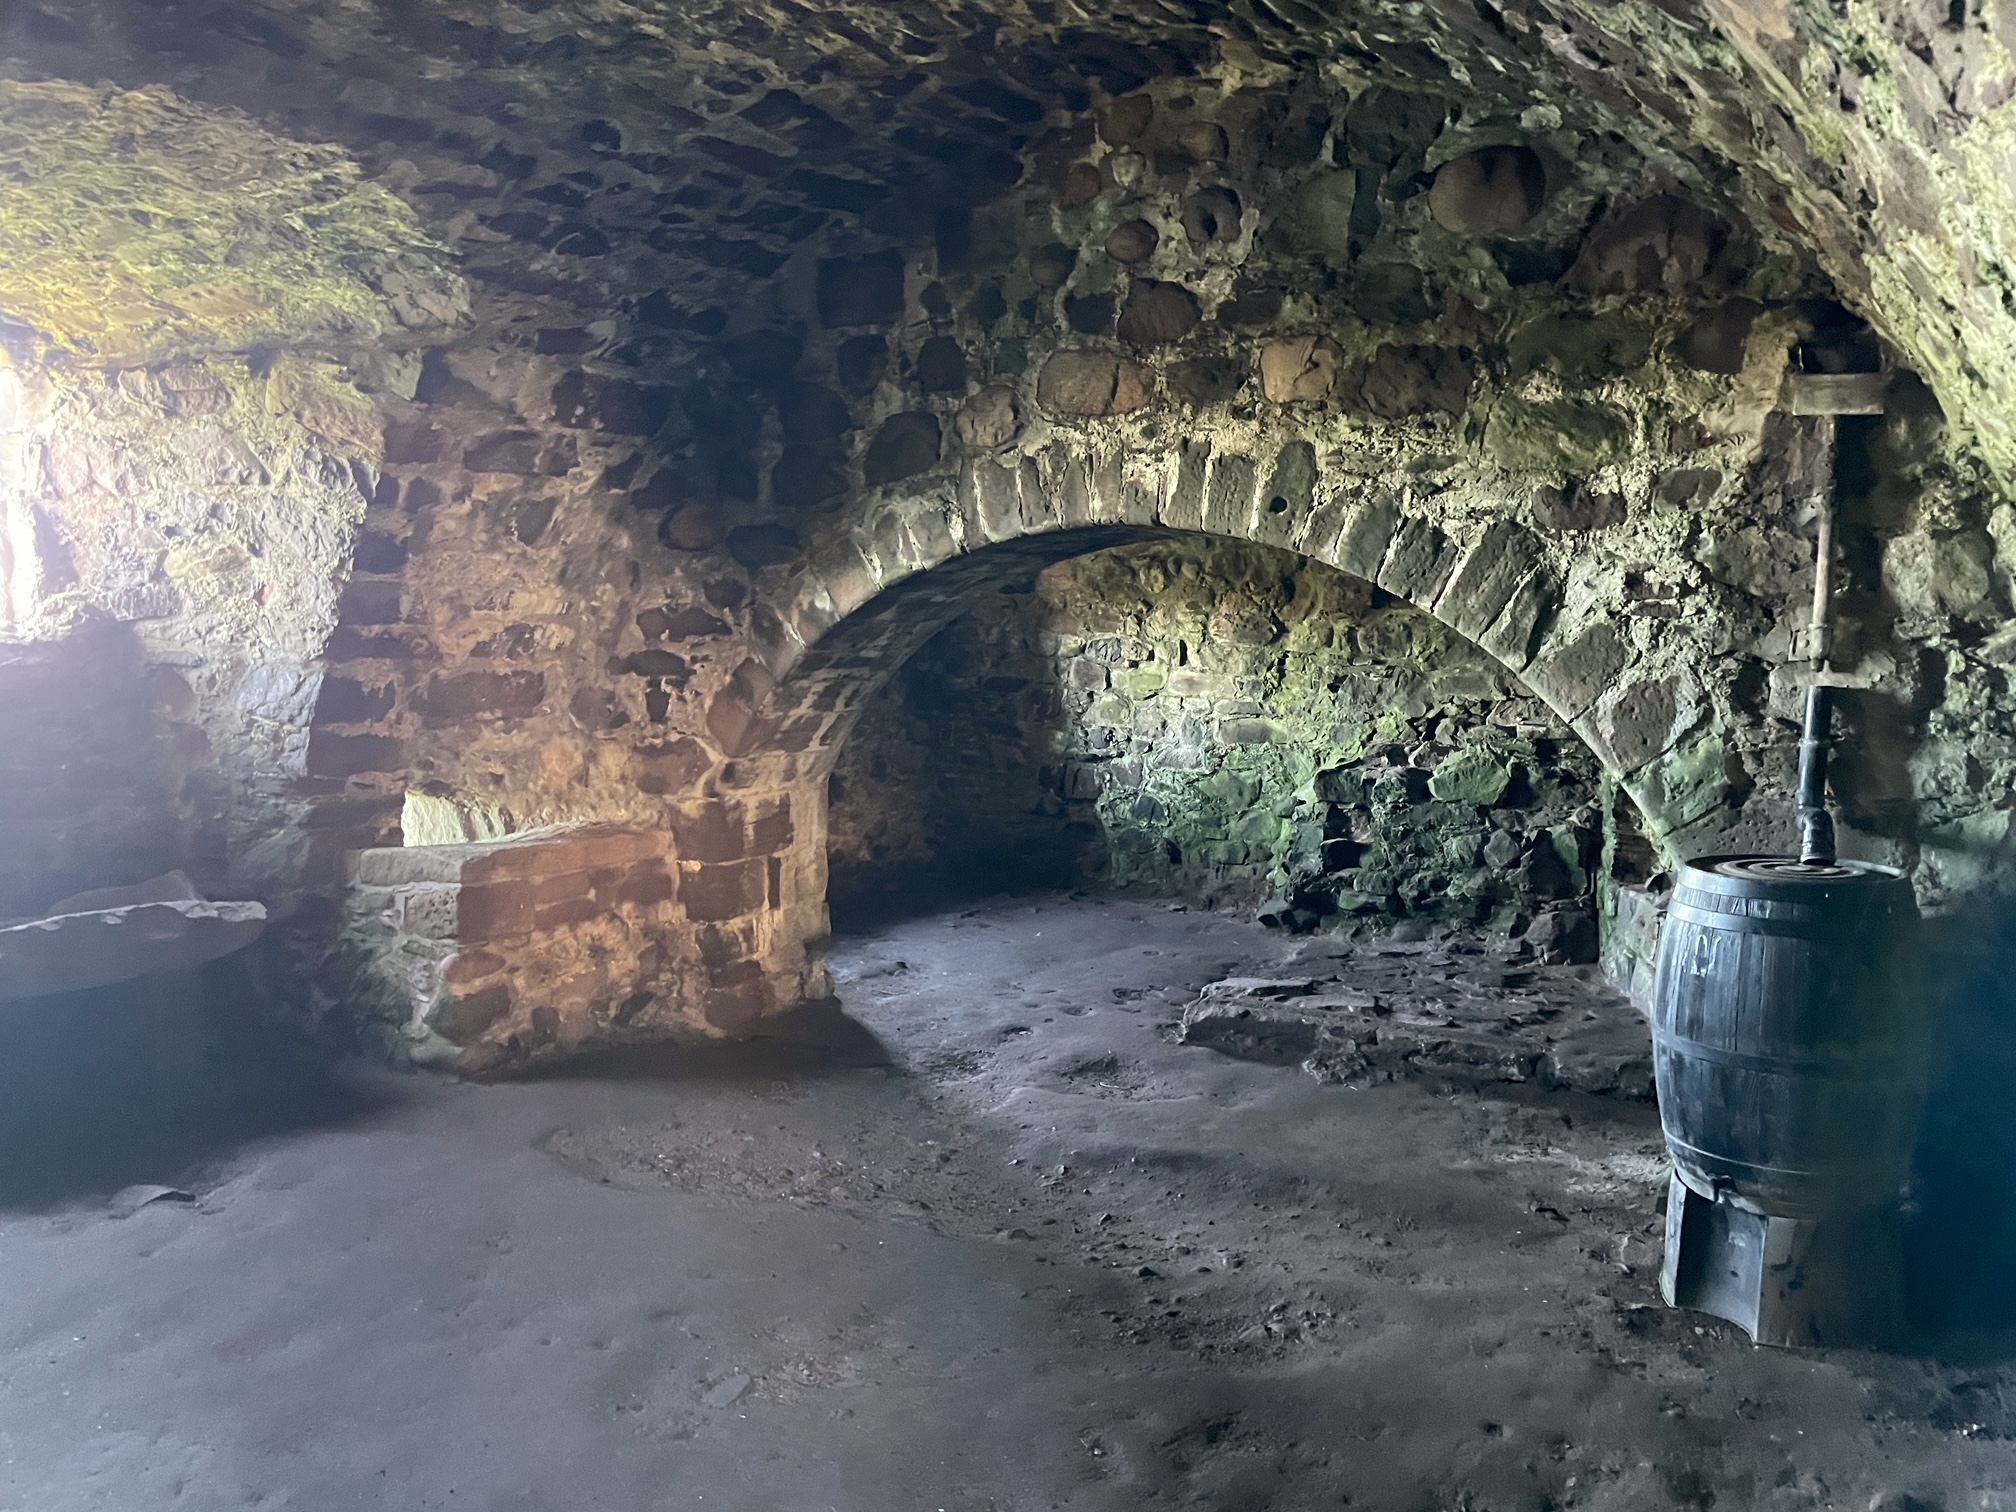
[(485, 955), (192, 507), (632, 544), (791, 330), (180, 515), (1231, 722)]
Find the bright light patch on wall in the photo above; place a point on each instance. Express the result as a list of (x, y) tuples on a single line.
[(20, 564)]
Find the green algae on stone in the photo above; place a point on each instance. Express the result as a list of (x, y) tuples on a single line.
[(136, 226), (1556, 436), (1475, 776)]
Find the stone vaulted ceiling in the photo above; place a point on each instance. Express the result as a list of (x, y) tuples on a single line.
[(673, 160)]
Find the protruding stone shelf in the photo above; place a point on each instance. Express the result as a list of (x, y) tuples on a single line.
[(98, 938)]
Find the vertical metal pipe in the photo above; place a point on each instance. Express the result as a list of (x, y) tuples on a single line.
[(1816, 825)]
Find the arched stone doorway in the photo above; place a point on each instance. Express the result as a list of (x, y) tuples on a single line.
[(1197, 718), (880, 591)]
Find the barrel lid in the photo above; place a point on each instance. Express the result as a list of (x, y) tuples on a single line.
[(1746, 874)]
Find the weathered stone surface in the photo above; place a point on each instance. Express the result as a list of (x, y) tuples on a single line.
[(94, 947), (1050, 265), (1475, 777), (1488, 192), (1574, 436), (334, 755), (941, 366), (1082, 185), (1158, 314), (1574, 675), (855, 291), (1299, 370), (1126, 119), (1715, 341), (1205, 141), (693, 527), (1207, 380), (760, 546), (671, 768), (906, 444), (476, 695), (1275, 1023), (812, 414), (346, 700), (1292, 486), (1322, 212), (1931, 575), (1659, 245), (1577, 507), (1403, 381), (1133, 241), (1418, 562), (1092, 385), (1638, 724), (1228, 499), (991, 419), (1490, 574), (714, 893), (1211, 216), (860, 362), (806, 478), (592, 401), (524, 452)]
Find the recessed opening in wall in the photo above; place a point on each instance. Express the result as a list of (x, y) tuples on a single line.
[(1228, 723)]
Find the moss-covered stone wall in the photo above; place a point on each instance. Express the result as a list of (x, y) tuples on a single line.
[(1231, 722)]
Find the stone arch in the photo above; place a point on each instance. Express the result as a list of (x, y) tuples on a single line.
[(880, 584), (1495, 582)]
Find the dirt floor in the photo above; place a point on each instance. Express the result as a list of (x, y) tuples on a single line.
[(999, 1241)]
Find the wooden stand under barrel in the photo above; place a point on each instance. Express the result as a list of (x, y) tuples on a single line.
[(1787, 1048)]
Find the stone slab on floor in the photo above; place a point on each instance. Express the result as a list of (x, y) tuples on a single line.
[(1457, 1008)]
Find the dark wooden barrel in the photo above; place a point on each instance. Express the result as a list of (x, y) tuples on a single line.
[(1788, 1032)]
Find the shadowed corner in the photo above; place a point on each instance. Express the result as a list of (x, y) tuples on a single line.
[(1960, 1234), (155, 1079), (812, 1041)]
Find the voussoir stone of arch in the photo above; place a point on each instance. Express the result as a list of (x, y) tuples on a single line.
[(1091, 385), (1573, 673), (1488, 192)]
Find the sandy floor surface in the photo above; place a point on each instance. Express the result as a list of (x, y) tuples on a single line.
[(1000, 1242)]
